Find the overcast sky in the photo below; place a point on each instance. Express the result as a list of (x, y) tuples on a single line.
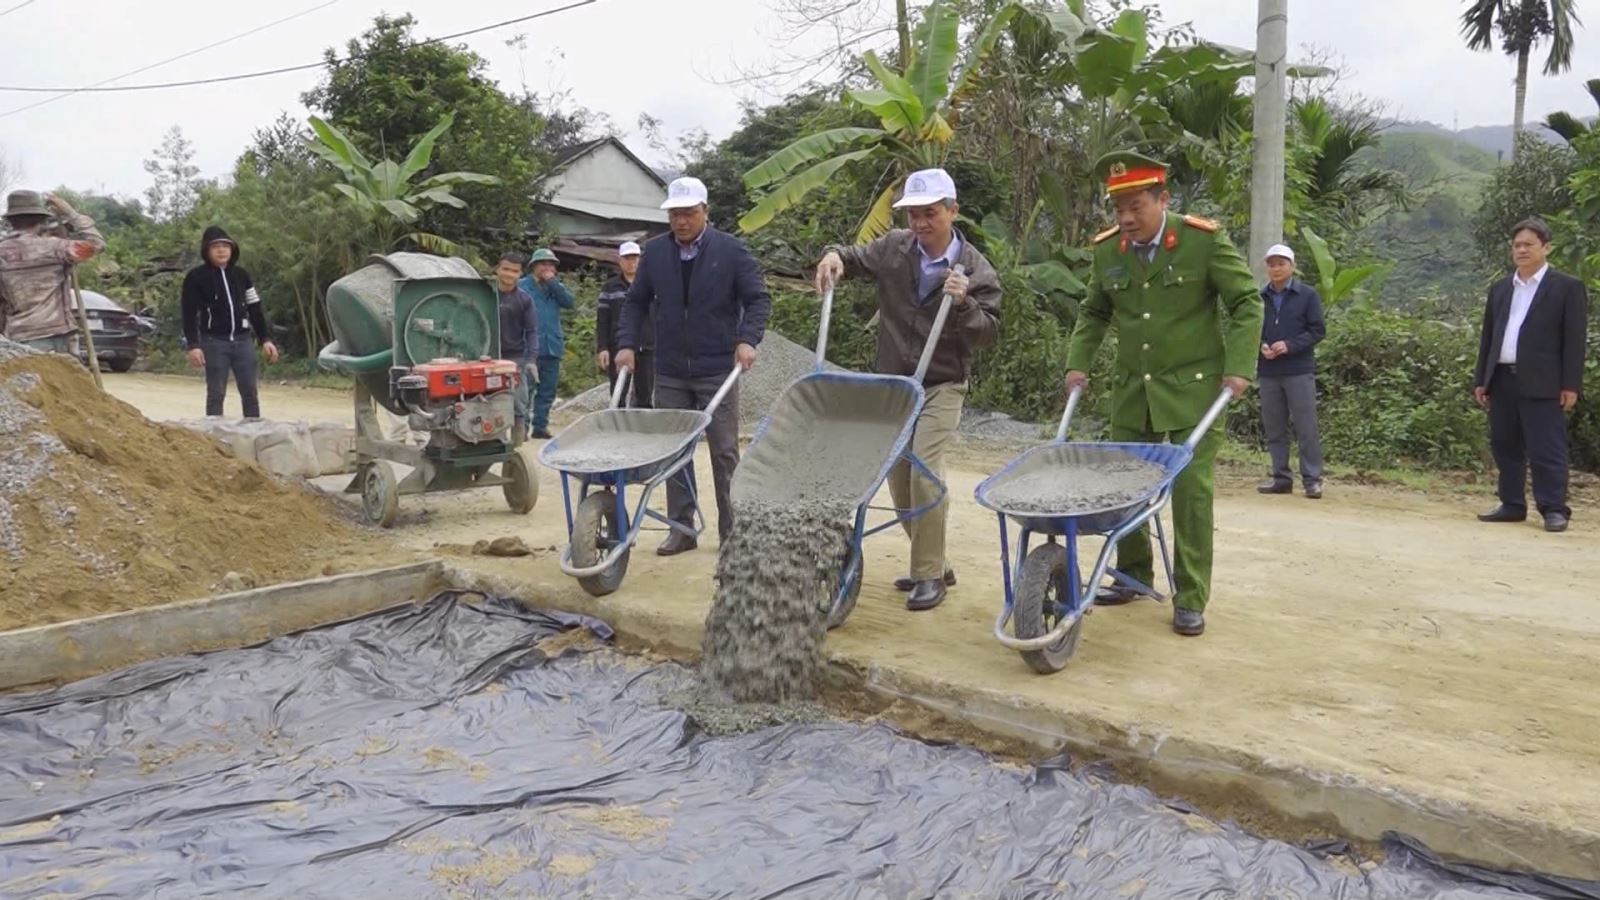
[(621, 57)]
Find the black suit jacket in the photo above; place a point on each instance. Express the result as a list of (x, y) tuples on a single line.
[(1551, 344), (696, 333)]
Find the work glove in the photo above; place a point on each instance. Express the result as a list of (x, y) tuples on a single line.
[(532, 371)]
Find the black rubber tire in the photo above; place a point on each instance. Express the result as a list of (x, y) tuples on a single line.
[(844, 605), (120, 364), (380, 494), (594, 531), (522, 489), (1043, 576)]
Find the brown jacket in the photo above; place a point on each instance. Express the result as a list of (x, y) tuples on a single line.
[(903, 323)]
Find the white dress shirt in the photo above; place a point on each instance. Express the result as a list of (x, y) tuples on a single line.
[(1521, 299), (1147, 250)]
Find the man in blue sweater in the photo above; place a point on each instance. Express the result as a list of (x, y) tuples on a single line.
[(550, 297), (1287, 369)]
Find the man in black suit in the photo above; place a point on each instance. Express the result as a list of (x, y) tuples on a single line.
[(1530, 366), (703, 291)]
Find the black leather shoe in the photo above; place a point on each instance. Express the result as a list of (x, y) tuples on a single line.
[(925, 595), (1115, 595), (541, 434), (904, 585), (677, 542), (1504, 513), (1275, 487), (1313, 492), (1188, 622), (1555, 521)]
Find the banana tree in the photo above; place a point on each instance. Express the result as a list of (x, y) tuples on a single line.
[(915, 108), (384, 191), (1335, 285)]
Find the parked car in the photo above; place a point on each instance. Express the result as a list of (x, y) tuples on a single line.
[(116, 331)]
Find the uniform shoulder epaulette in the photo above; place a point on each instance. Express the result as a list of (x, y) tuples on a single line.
[(1106, 235), (1208, 225)]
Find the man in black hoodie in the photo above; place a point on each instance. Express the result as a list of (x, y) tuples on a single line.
[(221, 309)]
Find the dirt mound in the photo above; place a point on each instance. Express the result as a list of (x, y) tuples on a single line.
[(102, 510)]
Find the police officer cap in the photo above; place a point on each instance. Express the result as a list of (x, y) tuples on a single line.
[(1126, 170)]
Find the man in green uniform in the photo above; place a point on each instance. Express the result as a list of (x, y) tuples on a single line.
[(1163, 281)]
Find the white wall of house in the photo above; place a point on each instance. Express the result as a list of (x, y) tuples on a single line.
[(607, 175)]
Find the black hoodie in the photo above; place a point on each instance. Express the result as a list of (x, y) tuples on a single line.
[(221, 303)]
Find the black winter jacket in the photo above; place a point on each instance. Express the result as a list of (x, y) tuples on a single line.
[(701, 310), (1299, 324), (221, 302)]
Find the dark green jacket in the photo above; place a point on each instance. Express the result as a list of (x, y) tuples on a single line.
[(1174, 345)]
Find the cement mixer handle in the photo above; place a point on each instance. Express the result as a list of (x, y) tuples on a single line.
[(624, 374), (938, 329)]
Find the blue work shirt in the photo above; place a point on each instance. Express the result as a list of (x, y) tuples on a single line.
[(549, 299)]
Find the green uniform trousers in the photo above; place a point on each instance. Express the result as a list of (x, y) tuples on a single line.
[(1191, 519)]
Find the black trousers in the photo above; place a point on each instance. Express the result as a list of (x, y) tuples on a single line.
[(722, 437), (642, 389), (1527, 433)]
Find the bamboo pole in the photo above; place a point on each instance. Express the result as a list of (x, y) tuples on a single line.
[(83, 329)]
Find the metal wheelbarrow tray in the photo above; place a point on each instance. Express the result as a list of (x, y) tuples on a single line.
[(604, 453), (1046, 597), (837, 436)]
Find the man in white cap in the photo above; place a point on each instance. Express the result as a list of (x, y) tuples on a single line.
[(914, 267), (1287, 372), (608, 315), (702, 291)]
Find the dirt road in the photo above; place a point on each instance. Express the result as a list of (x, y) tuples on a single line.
[(1381, 635)]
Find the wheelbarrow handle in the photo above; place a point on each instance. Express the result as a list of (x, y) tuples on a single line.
[(822, 325), (727, 385), (1210, 418), (624, 375), (936, 331), (1073, 396)]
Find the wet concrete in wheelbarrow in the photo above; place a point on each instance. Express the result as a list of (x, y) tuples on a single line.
[(1078, 487)]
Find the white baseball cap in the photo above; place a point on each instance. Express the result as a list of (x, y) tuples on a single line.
[(926, 188), (685, 192), (628, 248), (1280, 250)]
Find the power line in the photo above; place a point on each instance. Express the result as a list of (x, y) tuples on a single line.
[(98, 89), (68, 92), (7, 12)]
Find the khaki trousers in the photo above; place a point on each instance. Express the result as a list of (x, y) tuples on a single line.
[(936, 424)]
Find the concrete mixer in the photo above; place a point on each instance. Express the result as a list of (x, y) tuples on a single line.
[(420, 335)]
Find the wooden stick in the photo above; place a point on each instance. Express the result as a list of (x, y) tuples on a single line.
[(83, 329)]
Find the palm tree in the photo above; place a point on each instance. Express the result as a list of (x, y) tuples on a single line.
[(1568, 126), (1521, 24)]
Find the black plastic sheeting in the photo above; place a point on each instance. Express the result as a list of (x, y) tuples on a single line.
[(435, 751)]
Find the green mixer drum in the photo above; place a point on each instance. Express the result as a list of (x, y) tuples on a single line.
[(361, 310)]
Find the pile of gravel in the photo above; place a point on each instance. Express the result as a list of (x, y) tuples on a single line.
[(779, 363)]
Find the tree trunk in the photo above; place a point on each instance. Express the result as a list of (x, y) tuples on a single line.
[(902, 24), (1522, 98)]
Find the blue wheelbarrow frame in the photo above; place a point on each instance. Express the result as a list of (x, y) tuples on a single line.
[(851, 573), (1050, 651), (605, 575)]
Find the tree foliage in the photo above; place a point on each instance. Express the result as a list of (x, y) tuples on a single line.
[(177, 184), (1533, 184)]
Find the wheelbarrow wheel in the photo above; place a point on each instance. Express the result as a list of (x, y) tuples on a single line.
[(594, 532), (1037, 608), (845, 602), (380, 494), (521, 488)]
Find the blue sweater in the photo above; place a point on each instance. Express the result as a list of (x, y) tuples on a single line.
[(549, 299), (1298, 323)]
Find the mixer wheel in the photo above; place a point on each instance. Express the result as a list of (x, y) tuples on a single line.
[(380, 494), (521, 488)]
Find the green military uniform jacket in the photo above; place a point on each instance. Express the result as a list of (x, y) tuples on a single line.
[(1173, 344)]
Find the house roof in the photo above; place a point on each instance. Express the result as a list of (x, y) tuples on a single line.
[(613, 211), (566, 156)]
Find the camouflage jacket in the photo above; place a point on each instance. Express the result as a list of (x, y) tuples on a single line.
[(35, 300)]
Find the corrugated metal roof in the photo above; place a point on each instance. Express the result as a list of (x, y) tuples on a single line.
[(615, 211)]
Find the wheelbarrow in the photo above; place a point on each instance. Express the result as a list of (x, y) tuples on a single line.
[(1046, 597), (835, 435), (603, 454)]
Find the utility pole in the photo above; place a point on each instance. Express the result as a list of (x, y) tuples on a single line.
[(1266, 176)]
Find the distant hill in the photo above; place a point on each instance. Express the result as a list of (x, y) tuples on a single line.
[(1494, 140)]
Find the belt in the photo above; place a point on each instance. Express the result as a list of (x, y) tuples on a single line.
[(1509, 368)]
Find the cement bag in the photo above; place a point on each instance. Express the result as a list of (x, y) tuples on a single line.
[(286, 449)]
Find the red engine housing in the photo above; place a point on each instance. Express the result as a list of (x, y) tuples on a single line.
[(451, 379)]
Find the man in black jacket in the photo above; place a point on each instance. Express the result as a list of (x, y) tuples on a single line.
[(1530, 367), (608, 316), (221, 310), (703, 292), (1290, 330)]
